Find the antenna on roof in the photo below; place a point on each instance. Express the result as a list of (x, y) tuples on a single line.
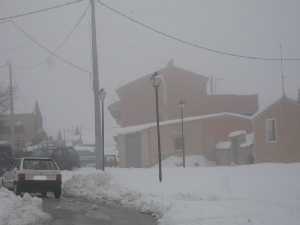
[(282, 74)]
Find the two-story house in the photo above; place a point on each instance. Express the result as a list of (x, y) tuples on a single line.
[(208, 118)]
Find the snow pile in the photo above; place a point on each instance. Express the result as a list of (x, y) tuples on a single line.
[(96, 185), (223, 145), (266, 194), (249, 140), (237, 133), (20, 211), (190, 161)]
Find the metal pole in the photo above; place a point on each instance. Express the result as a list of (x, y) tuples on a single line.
[(211, 82), (12, 113), (182, 137), (282, 73), (65, 141), (99, 154), (158, 133), (102, 132)]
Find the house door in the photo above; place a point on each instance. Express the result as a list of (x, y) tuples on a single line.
[(133, 150)]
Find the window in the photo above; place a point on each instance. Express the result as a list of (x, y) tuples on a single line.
[(271, 133), (39, 164)]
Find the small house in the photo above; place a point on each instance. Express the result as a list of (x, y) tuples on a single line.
[(277, 132)]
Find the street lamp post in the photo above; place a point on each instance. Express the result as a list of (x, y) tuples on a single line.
[(156, 80), (102, 95), (181, 106)]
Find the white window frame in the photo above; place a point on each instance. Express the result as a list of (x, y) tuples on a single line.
[(266, 130)]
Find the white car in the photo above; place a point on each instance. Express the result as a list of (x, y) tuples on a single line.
[(33, 175)]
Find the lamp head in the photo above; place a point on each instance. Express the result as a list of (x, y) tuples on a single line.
[(156, 80), (102, 94), (181, 104)]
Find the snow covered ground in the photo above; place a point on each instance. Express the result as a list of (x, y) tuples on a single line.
[(265, 194), (20, 211), (190, 161)]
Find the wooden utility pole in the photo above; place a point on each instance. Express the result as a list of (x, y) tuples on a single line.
[(98, 150), (12, 113), (102, 95)]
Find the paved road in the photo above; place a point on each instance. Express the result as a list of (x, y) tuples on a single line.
[(73, 211)]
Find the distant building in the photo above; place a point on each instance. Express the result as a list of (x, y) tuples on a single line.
[(28, 128), (138, 145), (277, 132), (87, 156), (275, 136), (208, 118)]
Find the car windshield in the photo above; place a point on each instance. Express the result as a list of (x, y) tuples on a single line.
[(39, 164)]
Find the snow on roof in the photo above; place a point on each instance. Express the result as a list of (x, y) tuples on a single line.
[(132, 129), (260, 111), (237, 133), (223, 145), (249, 141), (227, 144)]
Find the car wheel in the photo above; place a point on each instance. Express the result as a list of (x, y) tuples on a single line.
[(17, 189), (57, 193)]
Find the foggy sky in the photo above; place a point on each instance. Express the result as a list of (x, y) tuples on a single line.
[(127, 51)]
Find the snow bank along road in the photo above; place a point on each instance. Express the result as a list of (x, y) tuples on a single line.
[(29, 210), (74, 211), (263, 194), (15, 210)]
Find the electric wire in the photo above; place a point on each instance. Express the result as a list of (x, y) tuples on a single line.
[(60, 45), (37, 43), (192, 44), (39, 10)]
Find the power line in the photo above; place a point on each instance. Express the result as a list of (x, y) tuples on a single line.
[(36, 42), (192, 44), (60, 45), (39, 10)]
